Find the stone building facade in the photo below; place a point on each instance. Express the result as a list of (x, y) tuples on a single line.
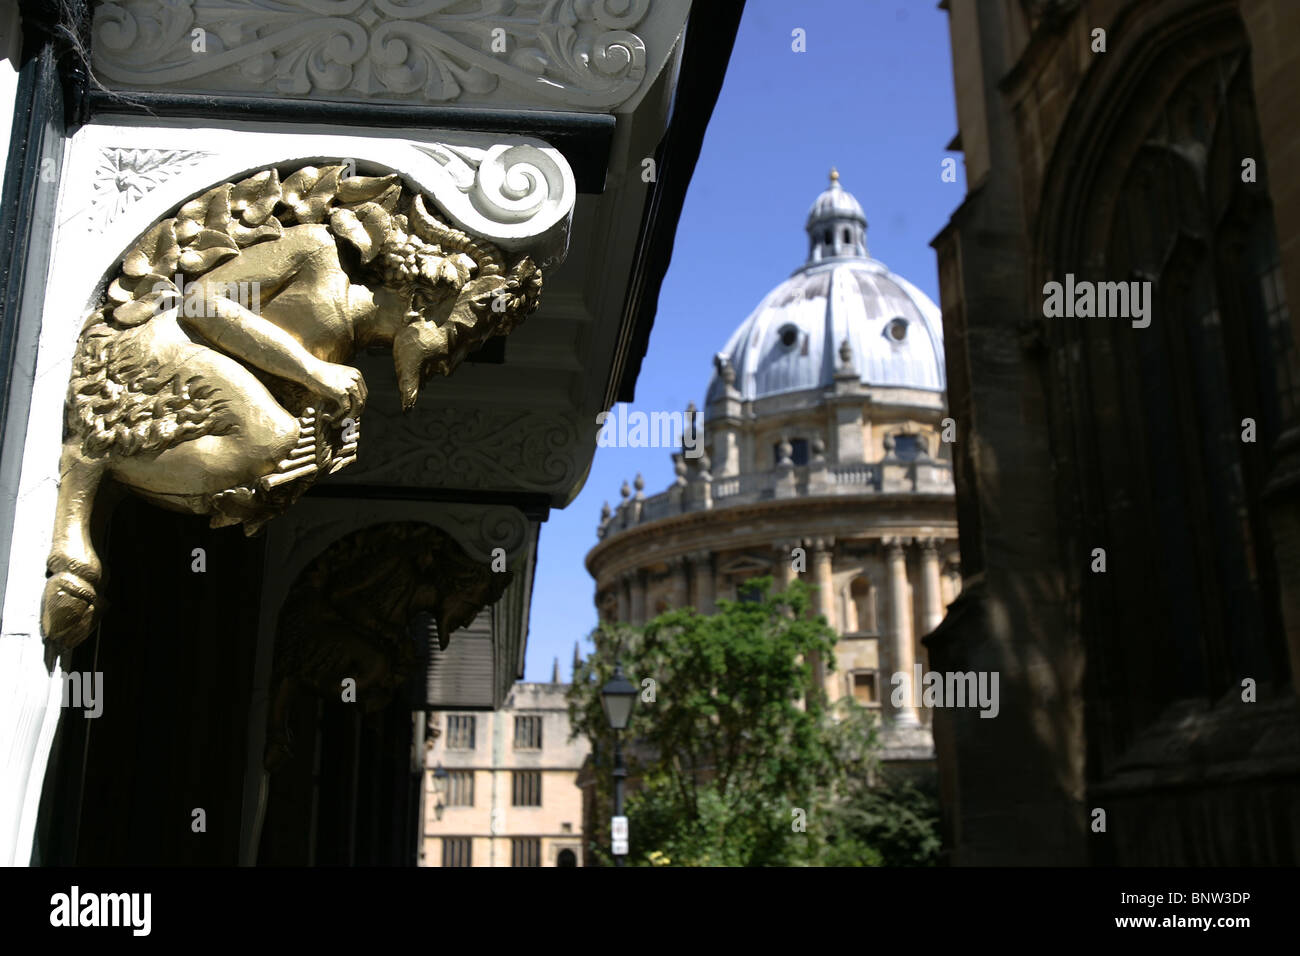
[(821, 457), (1126, 486), (510, 796)]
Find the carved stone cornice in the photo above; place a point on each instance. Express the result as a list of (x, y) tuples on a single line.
[(562, 54)]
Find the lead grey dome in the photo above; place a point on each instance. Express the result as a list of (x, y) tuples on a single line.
[(792, 341)]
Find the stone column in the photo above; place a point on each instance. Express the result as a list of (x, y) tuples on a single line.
[(932, 594), (636, 588), (681, 585), (622, 591), (824, 601), (900, 627), (784, 572), (702, 565)]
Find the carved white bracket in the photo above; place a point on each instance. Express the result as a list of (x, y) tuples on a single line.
[(514, 191)]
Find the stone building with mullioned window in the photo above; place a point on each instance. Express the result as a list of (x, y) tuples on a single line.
[(501, 787)]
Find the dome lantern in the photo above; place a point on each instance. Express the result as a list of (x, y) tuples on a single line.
[(837, 227), (840, 316)]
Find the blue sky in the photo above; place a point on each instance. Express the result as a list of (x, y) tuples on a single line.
[(873, 96)]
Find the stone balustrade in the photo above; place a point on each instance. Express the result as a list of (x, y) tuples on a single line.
[(701, 492)]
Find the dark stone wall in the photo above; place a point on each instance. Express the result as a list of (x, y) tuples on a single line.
[(1121, 691)]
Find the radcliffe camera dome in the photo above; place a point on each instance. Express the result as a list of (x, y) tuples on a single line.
[(794, 339), (824, 431)]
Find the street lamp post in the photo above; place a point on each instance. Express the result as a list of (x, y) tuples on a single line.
[(617, 698), (439, 790)]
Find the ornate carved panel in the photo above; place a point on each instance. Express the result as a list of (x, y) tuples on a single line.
[(473, 448), (577, 54)]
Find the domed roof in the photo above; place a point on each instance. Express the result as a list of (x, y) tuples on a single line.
[(793, 340)]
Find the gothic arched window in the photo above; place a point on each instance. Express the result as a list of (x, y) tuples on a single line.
[(1148, 409)]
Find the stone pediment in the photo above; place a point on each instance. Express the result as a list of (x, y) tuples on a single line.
[(746, 565)]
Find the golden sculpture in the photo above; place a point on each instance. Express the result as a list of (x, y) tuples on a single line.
[(193, 400)]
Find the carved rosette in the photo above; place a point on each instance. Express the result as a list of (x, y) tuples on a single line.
[(124, 175)]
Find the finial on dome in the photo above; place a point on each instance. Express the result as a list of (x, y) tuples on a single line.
[(846, 353), (835, 175)]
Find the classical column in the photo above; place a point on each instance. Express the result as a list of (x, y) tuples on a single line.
[(622, 589), (702, 565), (636, 588), (899, 627), (784, 572), (823, 550), (824, 605), (932, 593), (681, 585)]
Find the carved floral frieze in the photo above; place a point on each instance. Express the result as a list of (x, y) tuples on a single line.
[(575, 53)]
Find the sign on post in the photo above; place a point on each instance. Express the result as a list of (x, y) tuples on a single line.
[(618, 835)]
